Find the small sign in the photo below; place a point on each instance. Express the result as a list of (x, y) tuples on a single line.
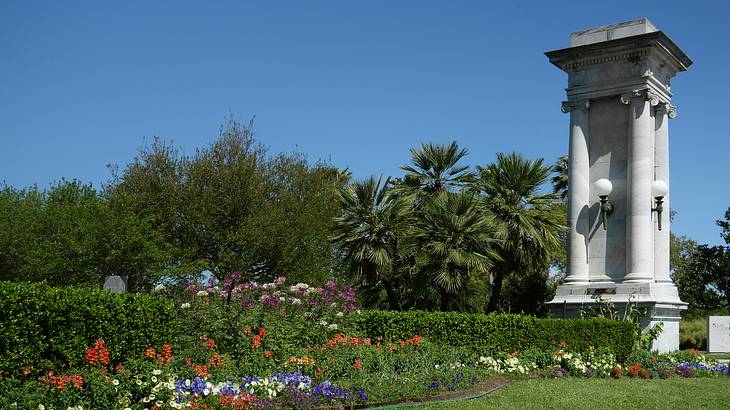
[(718, 334)]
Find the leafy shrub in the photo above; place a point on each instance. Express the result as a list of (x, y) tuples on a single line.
[(693, 333), (499, 333), (42, 327)]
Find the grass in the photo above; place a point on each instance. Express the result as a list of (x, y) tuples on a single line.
[(567, 393)]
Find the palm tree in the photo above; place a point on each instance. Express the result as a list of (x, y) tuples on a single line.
[(560, 180), (368, 231), (436, 169), (454, 241), (531, 221)]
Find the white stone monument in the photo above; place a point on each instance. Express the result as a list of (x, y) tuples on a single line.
[(718, 334), (619, 101), (115, 284)]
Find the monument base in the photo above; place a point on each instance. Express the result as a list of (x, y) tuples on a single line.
[(658, 301)]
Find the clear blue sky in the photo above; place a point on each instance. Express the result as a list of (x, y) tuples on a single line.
[(84, 84)]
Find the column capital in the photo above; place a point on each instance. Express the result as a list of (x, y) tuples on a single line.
[(568, 106), (668, 109), (648, 95)]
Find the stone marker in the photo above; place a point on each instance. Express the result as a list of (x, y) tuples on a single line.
[(620, 102), (115, 284), (718, 334)]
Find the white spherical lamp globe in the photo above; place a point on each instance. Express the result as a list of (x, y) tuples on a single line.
[(659, 189), (603, 187)]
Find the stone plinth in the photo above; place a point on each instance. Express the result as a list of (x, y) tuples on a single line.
[(718, 334), (619, 100)]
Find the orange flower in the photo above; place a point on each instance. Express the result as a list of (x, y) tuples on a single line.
[(256, 341), (26, 371), (247, 330), (200, 370), (358, 364), (98, 354), (210, 344), (166, 354), (514, 354), (268, 354), (216, 360), (150, 353), (694, 352)]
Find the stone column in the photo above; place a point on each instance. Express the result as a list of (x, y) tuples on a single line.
[(578, 191), (663, 112), (639, 252)]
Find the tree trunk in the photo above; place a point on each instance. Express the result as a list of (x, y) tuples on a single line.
[(445, 301), (496, 290), (392, 298)]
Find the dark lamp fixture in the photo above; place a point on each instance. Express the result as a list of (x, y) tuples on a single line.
[(603, 188), (659, 190)]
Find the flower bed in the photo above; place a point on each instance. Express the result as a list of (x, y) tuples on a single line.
[(243, 345)]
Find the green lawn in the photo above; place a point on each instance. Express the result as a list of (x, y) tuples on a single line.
[(569, 393)]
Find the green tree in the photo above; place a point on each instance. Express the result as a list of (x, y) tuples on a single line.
[(560, 179), (233, 207), (530, 221), (372, 222), (702, 272), (436, 168), (454, 241)]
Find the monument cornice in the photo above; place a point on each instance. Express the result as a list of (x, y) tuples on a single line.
[(627, 48)]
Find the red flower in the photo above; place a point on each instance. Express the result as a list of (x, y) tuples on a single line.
[(256, 341), (210, 344), (358, 364), (268, 354), (262, 332), (98, 354)]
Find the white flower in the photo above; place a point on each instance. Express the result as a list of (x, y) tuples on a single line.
[(115, 382), (295, 301), (282, 299), (139, 382), (156, 372), (159, 403), (41, 407), (154, 379), (185, 305), (323, 322), (152, 397), (340, 314), (202, 293), (206, 391), (333, 326), (159, 287)]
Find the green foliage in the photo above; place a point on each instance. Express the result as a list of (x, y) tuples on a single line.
[(371, 223), (531, 222), (42, 327), (693, 333), (232, 206), (498, 332), (68, 234), (454, 242), (702, 272)]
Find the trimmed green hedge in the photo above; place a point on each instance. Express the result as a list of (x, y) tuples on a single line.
[(499, 333), (45, 328)]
